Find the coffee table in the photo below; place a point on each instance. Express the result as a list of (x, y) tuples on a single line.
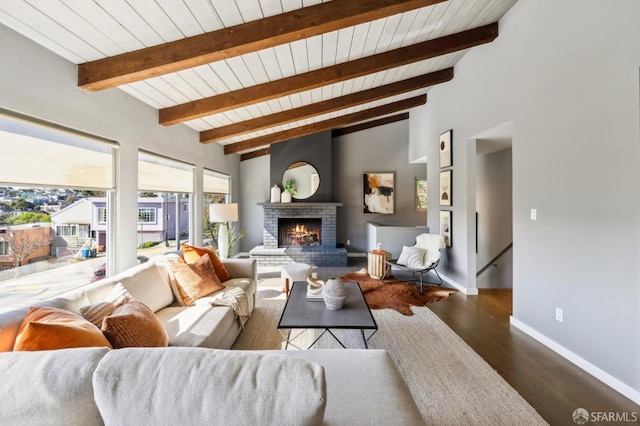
[(300, 313)]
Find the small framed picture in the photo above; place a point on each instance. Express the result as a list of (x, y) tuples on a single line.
[(421, 195), (446, 153), (445, 226), (378, 192), (446, 194)]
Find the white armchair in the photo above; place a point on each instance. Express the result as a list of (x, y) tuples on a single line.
[(419, 259)]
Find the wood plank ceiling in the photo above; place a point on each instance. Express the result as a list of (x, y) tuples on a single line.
[(250, 73)]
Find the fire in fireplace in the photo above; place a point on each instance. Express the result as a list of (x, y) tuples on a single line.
[(299, 232)]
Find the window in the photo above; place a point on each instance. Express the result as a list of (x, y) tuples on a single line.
[(146, 215), (63, 170), (4, 248), (102, 215), (168, 185)]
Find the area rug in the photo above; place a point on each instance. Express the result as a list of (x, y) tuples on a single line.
[(452, 385), (395, 294)]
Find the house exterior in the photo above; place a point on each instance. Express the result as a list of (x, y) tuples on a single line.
[(86, 220), (23, 244)]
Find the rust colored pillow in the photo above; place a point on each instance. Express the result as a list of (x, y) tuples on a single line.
[(192, 253), (133, 324), (47, 328), (191, 281)]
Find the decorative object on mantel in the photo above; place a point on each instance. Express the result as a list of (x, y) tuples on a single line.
[(379, 246), (275, 194), (334, 294), (285, 197), (290, 187)]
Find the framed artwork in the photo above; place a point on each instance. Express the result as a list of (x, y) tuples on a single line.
[(445, 188), (421, 195), (445, 227), (378, 192), (446, 156)]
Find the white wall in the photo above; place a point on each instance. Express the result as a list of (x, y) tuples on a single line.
[(566, 74), (36, 82), (255, 188)]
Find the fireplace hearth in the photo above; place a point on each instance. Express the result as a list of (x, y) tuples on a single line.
[(311, 237), (299, 232)]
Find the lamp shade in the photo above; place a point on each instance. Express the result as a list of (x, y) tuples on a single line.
[(223, 212)]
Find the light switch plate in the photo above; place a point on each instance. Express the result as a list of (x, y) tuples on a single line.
[(534, 214)]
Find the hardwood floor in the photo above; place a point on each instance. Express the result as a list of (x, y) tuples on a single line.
[(552, 385)]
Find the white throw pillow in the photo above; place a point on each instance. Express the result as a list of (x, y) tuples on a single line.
[(413, 257)]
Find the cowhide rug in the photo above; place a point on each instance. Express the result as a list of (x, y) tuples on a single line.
[(396, 294)]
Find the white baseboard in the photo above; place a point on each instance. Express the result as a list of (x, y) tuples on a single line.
[(596, 372), (356, 254), (452, 283)]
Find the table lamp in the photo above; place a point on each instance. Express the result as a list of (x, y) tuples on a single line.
[(223, 214)]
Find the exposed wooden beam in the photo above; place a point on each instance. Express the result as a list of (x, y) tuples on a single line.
[(369, 125), (320, 126), (237, 40), (329, 75), (325, 107), (255, 154)]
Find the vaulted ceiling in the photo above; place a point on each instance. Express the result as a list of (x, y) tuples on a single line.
[(250, 73)]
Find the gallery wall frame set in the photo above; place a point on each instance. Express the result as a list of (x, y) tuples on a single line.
[(446, 149), (446, 223), (446, 193), (379, 192)]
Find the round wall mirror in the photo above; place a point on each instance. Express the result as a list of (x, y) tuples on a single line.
[(301, 179)]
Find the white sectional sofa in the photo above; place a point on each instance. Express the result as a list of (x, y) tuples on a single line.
[(196, 380), (200, 325)]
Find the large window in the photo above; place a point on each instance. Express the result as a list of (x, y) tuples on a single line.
[(51, 177), (165, 191)]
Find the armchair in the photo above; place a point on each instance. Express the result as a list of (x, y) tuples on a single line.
[(419, 259)]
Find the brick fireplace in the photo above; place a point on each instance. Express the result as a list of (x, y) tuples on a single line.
[(318, 250)]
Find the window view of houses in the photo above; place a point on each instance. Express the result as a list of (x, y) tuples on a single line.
[(46, 233)]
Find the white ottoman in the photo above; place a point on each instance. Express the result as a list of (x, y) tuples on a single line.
[(294, 272)]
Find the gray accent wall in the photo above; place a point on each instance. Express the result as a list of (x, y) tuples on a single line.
[(572, 94), (313, 149), (379, 149)]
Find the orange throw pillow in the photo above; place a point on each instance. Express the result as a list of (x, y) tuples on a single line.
[(192, 281), (133, 324), (47, 328), (192, 253)]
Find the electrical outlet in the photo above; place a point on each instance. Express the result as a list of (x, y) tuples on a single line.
[(559, 314), (348, 242), (534, 214)]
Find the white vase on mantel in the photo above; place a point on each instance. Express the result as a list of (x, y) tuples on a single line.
[(285, 197), (275, 194)]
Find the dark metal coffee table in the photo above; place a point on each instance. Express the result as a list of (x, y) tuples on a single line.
[(300, 313)]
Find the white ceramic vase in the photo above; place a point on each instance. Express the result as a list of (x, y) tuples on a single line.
[(334, 294), (285, 197), (275, 194)]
